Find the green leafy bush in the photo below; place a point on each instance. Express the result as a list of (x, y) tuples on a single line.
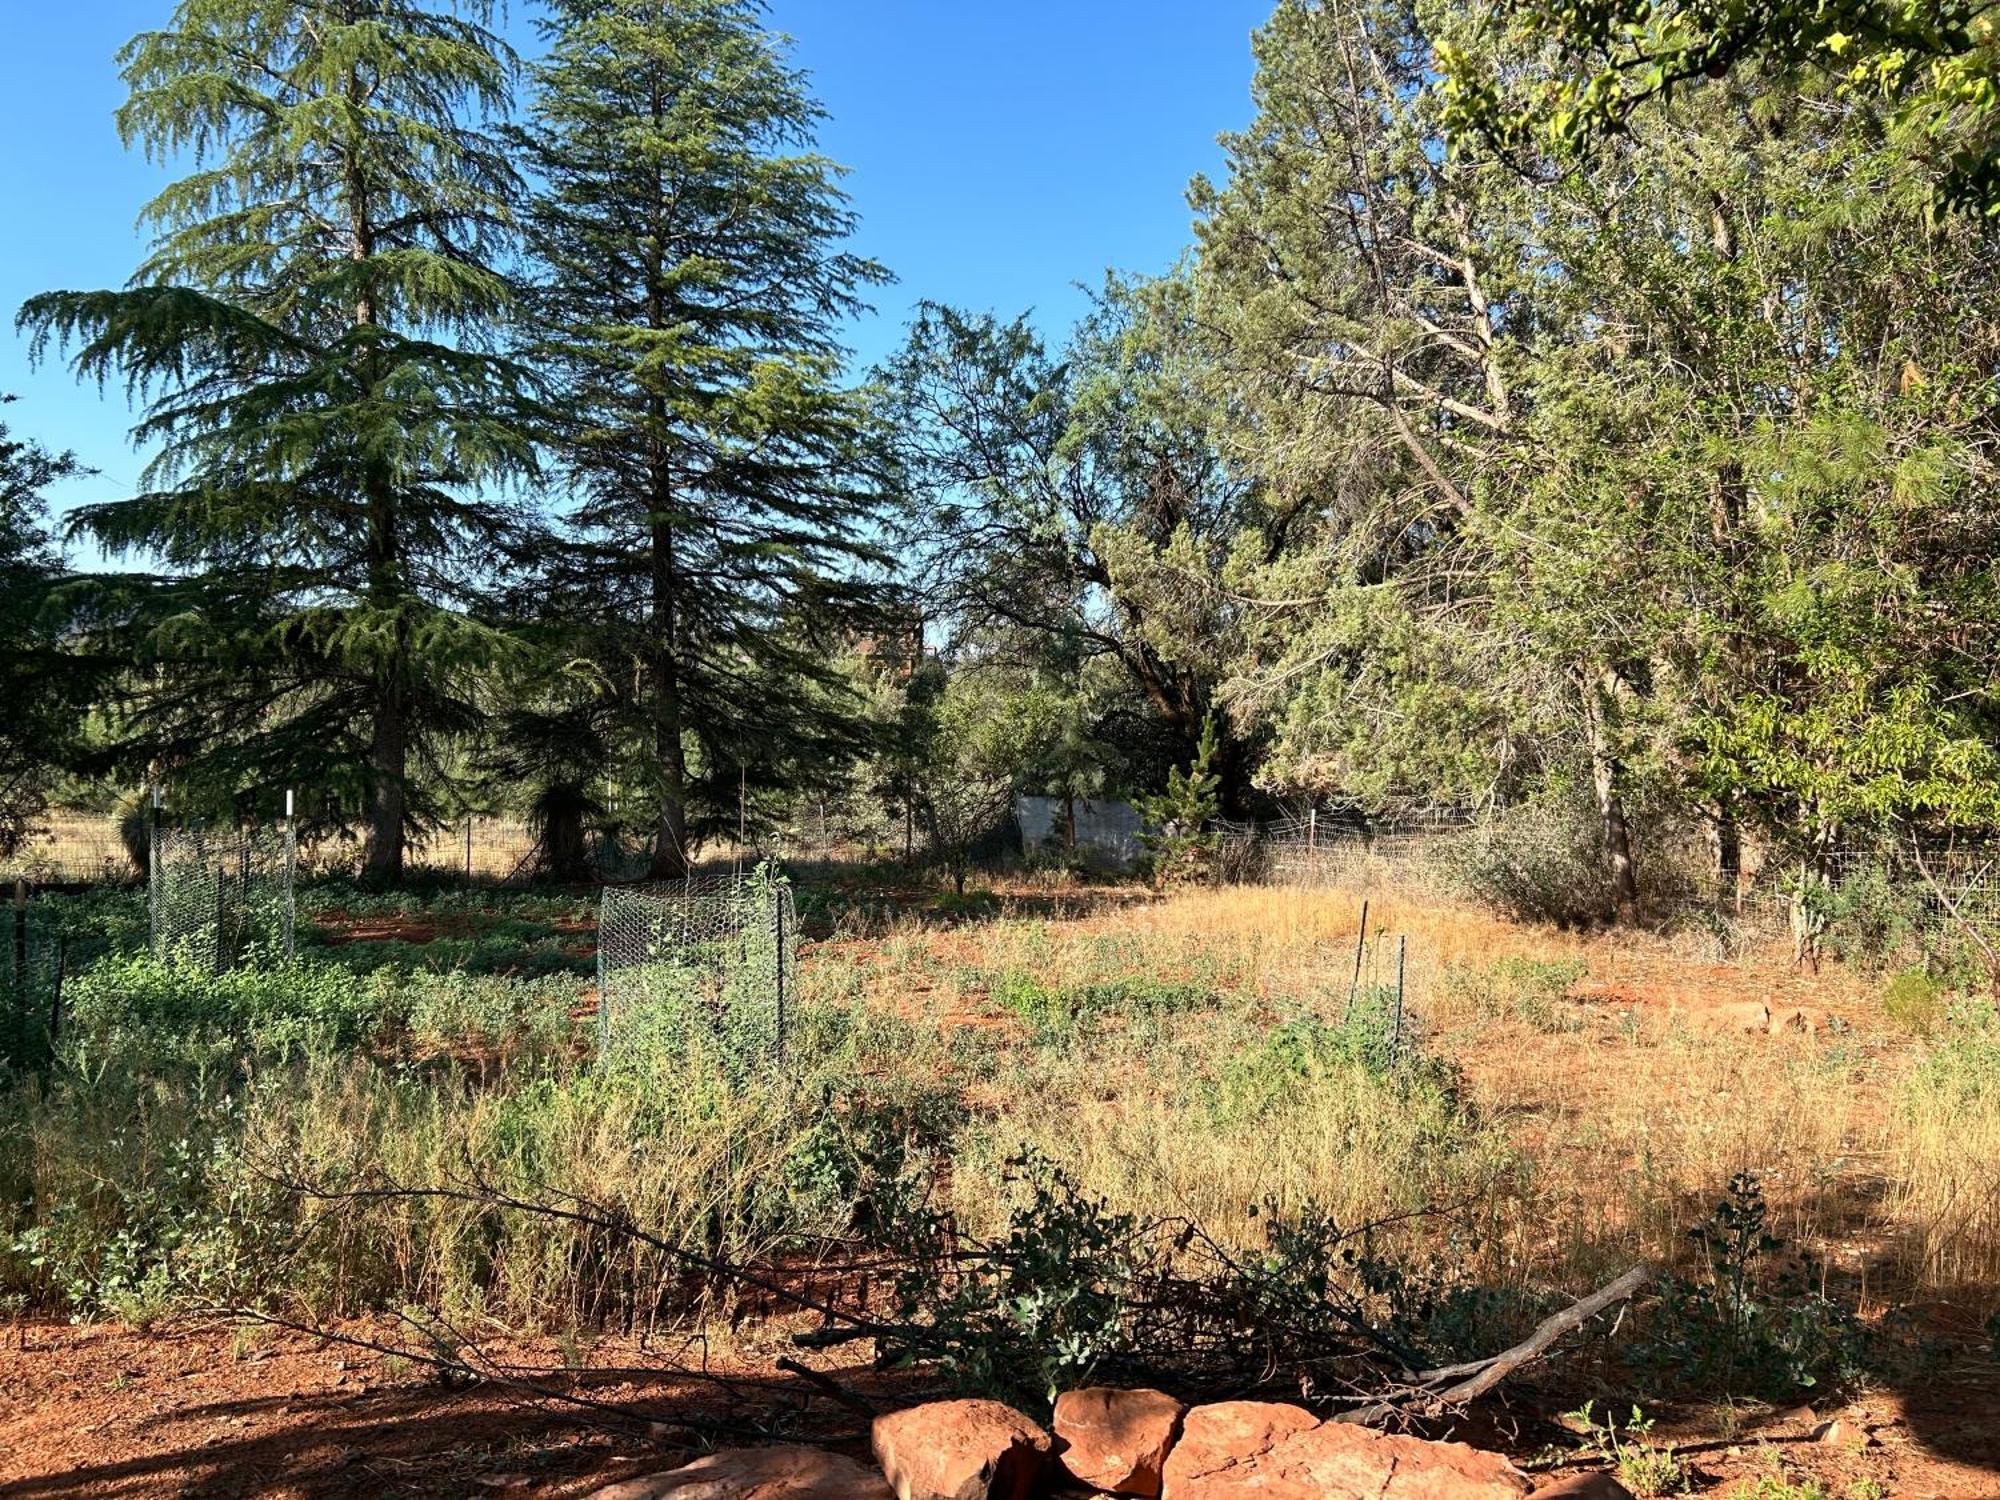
[(266, 999), (1758, 1322), (1542, 861), (1870, 919)]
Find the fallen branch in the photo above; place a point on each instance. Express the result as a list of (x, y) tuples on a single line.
[(831, 1387), (1485, 1374)]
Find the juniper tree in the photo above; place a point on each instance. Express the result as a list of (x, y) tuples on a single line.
[(309, 334), (1670, 478), (689, 291)]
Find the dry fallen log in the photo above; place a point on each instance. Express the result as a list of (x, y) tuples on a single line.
[(1483, 1375)]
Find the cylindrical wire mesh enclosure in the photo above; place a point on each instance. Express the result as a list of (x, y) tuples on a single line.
[(215, 894), (705, 968), (34, 963)]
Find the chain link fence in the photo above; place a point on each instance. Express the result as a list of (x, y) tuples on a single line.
[(215, 894), (703, 968)]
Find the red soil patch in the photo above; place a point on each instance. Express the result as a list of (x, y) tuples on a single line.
[(189, 1410), (107, 1411), (339, 928)]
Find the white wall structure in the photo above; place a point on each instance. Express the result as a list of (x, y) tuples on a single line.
[(1107, 832)]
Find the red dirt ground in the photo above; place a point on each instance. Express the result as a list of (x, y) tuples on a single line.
[(190, 1410)]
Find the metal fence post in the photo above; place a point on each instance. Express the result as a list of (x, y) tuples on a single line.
[(288, 917), (1402, 947), (468, 850), (21, 941), (153, 870), (603, 999), (778, 932), (55, 998), (221, 901)]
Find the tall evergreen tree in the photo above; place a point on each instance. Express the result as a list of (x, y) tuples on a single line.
[(309, 333), (689, 294)]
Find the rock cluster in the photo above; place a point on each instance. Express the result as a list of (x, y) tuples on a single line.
[(1143, 1444)]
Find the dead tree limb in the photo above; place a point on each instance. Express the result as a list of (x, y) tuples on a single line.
[(1484, 1375)]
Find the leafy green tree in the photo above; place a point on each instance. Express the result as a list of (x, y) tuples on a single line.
[(1594, 64), (1073, 503), (1597, 461), (44, 683), (689, 293), (978, 731), (307, 333), (1354, 283)]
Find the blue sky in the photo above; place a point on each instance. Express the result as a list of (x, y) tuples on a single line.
[(1000, 153)]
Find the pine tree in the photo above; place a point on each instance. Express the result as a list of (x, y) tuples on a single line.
[(689, 294), (309, 335)]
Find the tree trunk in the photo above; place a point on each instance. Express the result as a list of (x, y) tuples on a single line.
[(388, 765), (670, 843), (389, 734), (1605, 773), (1728, 856)]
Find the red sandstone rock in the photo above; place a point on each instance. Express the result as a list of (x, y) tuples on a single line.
[(1258, 1451), (1117, 1440), (961, 1450), (1226, 1433)]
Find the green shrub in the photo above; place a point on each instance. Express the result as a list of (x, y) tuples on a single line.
[(1757, 1323), (1870, 919), (1913, 1002), (1540, 862)]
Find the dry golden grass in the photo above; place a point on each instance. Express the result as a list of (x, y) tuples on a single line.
[(1603, 1126), (74, 847)]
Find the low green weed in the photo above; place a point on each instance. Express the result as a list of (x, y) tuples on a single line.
[(266, 1000), (1913, 1002), (1058, 1011), (1646, 1469), (1535, 991)]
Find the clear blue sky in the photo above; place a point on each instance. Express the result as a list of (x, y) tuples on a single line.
[(1000, 153)]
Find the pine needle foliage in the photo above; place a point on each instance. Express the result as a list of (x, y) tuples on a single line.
[(311, 337), (689, 291)]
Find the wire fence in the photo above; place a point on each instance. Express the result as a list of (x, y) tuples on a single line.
[(32, 969), (1908, 885), (75, 848), (707, 968), (214, 895)]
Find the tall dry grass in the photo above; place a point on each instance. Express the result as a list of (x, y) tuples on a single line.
[(1569, 1096), (1595, 1131)]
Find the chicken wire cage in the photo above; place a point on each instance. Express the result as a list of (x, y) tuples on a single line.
[(704, 968), (33, 965), (214, 895)]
